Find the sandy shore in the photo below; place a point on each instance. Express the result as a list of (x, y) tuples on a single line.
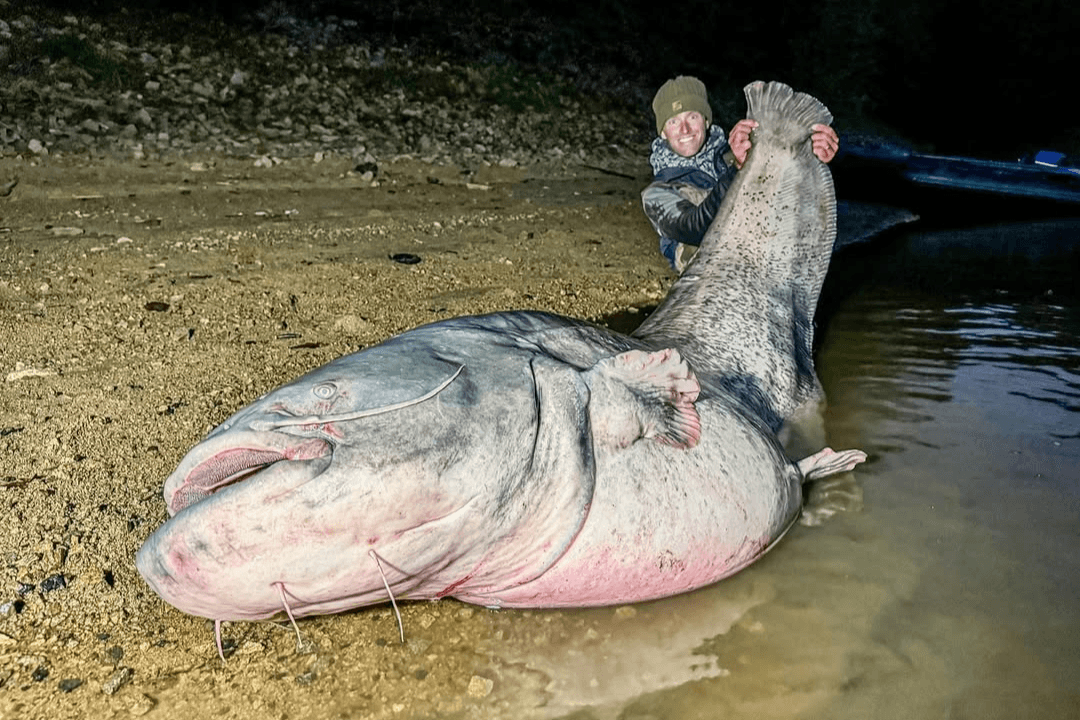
[(141, 304)]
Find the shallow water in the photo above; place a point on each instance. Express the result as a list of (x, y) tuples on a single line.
[(947, 588)]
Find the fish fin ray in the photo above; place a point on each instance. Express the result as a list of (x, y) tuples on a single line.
[(639, 394)]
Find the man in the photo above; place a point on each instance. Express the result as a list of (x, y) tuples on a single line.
[(694, 164)]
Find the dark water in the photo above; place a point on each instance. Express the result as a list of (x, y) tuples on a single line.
[(948, 585)]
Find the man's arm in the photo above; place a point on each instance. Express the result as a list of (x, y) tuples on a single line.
[(677, 218)]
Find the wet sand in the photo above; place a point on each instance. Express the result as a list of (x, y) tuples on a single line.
[(141, 304)]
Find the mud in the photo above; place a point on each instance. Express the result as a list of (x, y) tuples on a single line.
[(141, 304)]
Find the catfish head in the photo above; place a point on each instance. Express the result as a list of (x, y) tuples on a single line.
[(403, 470)]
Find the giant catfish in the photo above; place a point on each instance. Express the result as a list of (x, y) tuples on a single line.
[(523, 459)]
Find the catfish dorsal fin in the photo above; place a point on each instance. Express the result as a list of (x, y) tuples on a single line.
[(640, 394)]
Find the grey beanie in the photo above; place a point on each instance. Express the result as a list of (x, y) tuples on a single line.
[(679, 95)]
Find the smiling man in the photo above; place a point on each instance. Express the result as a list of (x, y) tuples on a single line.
[(694, 163)]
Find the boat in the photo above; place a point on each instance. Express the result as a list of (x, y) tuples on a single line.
[(1046, 184)]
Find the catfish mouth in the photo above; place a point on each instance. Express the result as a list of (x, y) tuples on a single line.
[(206, 470)]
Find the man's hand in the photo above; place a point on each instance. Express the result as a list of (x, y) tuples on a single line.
[(739, 140), (824, 140)]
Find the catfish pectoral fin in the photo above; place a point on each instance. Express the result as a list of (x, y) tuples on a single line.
[(639, 394)]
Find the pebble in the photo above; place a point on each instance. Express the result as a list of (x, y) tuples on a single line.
[(68, 684), (308, 103), (356, 325), (120, 677), (53, 582), (480, 687), (20, 373)]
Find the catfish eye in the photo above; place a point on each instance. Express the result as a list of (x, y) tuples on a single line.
[(325, 391)]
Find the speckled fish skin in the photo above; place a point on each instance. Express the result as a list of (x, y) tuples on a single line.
[(743, 311), (523, 459)]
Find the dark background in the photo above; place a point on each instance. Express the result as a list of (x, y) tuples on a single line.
[(990, 79)]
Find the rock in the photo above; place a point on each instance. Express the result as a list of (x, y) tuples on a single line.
[(68, 684), (120, 677), (53, 582), (20, 374), (480, 687), (310, 99), (352, 325)]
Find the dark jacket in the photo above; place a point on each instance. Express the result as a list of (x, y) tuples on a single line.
[(673, 201)]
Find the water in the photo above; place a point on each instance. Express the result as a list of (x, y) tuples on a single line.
[(952, 590)]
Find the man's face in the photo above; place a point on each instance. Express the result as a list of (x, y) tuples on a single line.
[(685, 132)]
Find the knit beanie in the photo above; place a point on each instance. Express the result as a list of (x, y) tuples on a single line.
[(679, 95)]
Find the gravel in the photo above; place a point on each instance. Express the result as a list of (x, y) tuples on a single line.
[(71, 85)]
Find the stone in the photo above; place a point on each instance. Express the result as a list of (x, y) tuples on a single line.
[(480, 687), (120, 677)]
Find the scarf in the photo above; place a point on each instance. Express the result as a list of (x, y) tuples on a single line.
[(664, 158)]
